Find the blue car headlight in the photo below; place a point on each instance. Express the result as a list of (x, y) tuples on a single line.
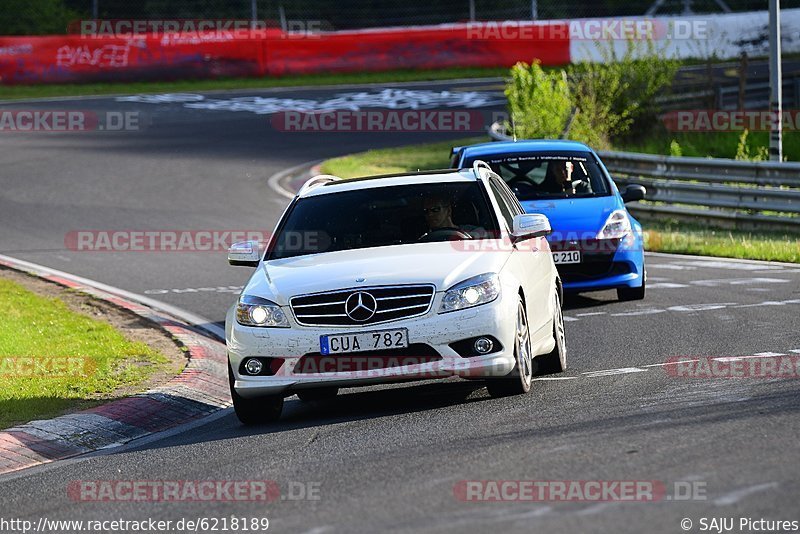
[(617, 226)]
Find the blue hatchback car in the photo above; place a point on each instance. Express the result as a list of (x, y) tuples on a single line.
[(596, 244)]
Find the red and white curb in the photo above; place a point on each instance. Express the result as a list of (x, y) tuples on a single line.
[(200, 390)]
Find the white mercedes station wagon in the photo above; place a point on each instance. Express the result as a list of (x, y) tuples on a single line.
[(394, 278)]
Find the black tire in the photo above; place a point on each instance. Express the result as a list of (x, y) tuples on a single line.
[(255, 411), (625, 294), (317, 394), (556, 360), (519, 380)]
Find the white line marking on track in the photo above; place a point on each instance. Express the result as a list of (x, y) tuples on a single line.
[(663, 364), (650, 311), (715, 264), (769, 303), (701, 307), (765, 355), (543, 379), (736, 496), (671, 266), (666, 285), (763, 263), (568, 319), (796, 351), (274, 181), (738, 281), (589, 314), (611, 372)]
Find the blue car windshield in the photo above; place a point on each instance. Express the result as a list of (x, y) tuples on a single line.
[(563, 174)]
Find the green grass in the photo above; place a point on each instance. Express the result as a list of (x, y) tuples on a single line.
[(11, 92), (42, 327), (708, 144), (662, 237), (392, 160), (685, 239)]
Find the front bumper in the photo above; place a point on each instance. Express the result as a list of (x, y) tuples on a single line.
[(438, 331), (604, 265)]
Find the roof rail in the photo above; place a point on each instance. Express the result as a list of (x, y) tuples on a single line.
[(318, 180), (476, 168)]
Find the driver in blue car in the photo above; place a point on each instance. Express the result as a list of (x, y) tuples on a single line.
[(559, 178)]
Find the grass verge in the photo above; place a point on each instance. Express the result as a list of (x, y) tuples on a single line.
[(54, 360), (688, 239), (12, 92), (709, 144), (661, 237), (392, 160)]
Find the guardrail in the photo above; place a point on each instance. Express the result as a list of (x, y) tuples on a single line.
[(726, 97), (721, 192)]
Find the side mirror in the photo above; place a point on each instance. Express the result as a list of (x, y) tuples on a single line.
[(244, 253), (530, 225), (633, 193)]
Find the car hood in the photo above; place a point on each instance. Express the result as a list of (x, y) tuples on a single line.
[(442, 264), (574, 215)]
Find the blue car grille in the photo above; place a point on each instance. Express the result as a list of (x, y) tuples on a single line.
[(597, 259)]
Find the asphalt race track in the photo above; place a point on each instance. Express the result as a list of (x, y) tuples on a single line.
[(393, 458)]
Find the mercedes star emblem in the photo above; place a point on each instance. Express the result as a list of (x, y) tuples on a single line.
[(360, 306)]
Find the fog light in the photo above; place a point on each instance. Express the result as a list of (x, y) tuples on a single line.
[(483, 345), (253, 366)]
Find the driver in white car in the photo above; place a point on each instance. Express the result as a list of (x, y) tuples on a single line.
[(438, 214), (439, 218)]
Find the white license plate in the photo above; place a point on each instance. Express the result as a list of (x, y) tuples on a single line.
[(569, 256), (364, 341)]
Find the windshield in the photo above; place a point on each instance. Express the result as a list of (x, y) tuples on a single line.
[(378, 217), (549, 175)]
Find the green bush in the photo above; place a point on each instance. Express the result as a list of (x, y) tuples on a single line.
[(743, 150), (612, 99), (539, 102)]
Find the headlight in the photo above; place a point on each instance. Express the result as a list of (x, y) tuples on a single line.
[(617, 226), (255, 311), (474, 291)]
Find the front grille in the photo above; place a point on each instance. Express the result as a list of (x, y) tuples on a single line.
[(348, 362), (390, 303), (591, 269)]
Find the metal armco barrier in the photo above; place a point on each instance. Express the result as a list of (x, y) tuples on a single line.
[(722, 192)]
